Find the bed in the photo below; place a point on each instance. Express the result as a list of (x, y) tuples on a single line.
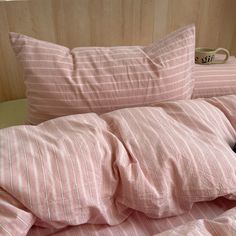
[(201, 214), (119, 140), (89, 174)]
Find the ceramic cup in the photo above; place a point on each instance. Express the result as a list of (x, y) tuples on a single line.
[(206, 56)]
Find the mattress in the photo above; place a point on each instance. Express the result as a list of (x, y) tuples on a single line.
[(12, 113)]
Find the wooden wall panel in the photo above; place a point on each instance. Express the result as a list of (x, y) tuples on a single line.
[(233, 43), (108, 22)]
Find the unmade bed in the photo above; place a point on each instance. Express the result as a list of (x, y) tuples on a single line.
[(119, 141), (85, 174)]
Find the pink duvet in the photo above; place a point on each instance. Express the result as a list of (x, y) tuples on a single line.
[(93, 170)]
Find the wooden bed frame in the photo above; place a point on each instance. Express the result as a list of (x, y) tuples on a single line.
[(76, 23)]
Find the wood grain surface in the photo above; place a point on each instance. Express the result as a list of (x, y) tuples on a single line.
[(76, 23)]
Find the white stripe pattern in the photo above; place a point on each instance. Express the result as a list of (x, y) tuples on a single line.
[(120, 172), (104, 77), (215, 80)]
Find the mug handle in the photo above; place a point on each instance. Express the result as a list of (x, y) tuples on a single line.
[(227, 54)]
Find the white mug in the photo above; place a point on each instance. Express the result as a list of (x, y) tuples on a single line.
[(206, 56)]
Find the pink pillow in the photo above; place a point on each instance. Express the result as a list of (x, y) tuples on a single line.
[(215, 80), (60, 81)]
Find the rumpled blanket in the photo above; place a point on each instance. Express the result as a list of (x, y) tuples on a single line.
[(92, 169)]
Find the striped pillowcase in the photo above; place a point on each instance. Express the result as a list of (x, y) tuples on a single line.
[(215, 80), (60, 81)]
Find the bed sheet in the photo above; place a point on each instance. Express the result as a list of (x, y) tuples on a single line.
[(140, 225)]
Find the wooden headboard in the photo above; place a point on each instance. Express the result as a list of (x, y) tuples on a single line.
[(108, 22)]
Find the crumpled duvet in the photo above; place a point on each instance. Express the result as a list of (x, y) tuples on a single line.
[(86, 168)]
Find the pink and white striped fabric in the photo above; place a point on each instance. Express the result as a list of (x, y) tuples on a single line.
[(61, 81), (140, 225), (91, 169), (224, 225), (215, 80)]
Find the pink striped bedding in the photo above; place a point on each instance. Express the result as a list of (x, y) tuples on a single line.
[(141, 225), (104, 172), (60, 81), (214, 80)]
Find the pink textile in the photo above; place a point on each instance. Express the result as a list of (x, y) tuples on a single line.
[(94, 169), (225, 224), (61, 81), (140, 225), (215, 80)]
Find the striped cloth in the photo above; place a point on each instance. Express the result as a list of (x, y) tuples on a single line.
[(215, 80), (140, 225), (224, 225), (62, 82), (90, 169)]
